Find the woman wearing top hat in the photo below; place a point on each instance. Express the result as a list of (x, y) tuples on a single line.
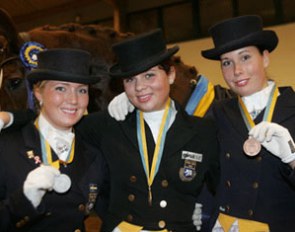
[(49, 178), (257, 189), (159, 157)]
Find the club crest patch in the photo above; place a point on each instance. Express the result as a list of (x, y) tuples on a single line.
[(188, 171)]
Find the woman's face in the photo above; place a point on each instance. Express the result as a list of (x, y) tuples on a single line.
[(244, 70), (149, 91), (62, 103)]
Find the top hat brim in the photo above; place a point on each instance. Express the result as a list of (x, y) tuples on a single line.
[(115, 70), (264, 39), (43, 74)]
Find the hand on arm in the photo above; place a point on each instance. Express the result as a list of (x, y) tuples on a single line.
[(276, 139), (6, 119)]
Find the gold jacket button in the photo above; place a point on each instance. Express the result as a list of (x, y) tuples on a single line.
[(258, 158), (129, 218), (162, 224), (133, 179), (81, 207), (19, 224), (77, 230), (255, 185), (228, 183), (250, 212), (131, 197), (227, 155), (164, 183)]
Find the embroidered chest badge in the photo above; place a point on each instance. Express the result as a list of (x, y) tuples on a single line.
[(188, 171)]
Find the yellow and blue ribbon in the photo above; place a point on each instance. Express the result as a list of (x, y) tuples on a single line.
[(158, 152), (269, 110)]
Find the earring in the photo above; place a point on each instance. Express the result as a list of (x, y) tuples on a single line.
[(40, 103)]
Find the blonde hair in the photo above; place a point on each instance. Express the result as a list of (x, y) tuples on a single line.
[(38, 86)]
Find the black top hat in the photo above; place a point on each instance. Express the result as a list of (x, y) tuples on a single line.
[(139, 53), (239, 32), (63, 64)]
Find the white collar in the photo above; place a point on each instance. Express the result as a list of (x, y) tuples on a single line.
[(154, 119), (47, 129), (256, 102), (55, 137)]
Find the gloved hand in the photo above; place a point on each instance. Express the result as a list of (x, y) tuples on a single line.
[(1, 124), (120, 106), (6, 119), (39, 181), (276, 139), (197, 216)]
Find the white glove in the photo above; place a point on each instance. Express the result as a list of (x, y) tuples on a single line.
[(276, 139), (197, 216), (6, 119), (39, 181), (120, 106), (1, 124)]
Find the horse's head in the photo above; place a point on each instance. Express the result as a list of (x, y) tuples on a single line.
[(185, 81), (12, 88), (13, 92)]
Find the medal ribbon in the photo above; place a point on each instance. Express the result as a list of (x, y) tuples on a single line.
[(158, 152), (47, 155), (268, 113)]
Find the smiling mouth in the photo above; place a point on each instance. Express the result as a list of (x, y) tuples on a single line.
[(144, 98), (241, 83), (69, 111)]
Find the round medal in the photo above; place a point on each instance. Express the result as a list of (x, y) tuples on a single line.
[(251, 147), (62, 183)]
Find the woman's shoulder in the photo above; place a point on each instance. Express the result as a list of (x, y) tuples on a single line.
[(204, 123), (16, 136)]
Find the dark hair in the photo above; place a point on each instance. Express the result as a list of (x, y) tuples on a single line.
[(166, 65)]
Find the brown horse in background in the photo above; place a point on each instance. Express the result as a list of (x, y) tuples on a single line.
[(96, 39)]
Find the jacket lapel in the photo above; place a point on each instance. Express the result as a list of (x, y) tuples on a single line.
[(285, 107), (181, 131), (32, 150), (83, 158), (232, 110), (129, 128)]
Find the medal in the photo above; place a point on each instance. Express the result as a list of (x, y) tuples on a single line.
[(62, 183), (251, 147)]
